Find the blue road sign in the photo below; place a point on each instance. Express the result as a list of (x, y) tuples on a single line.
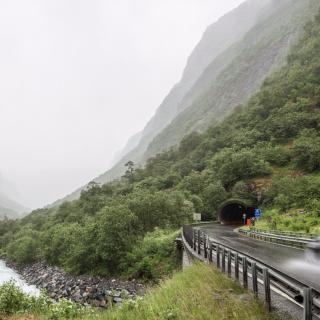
[(257, 213)]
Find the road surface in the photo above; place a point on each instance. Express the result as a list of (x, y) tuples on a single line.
[(288, 260)]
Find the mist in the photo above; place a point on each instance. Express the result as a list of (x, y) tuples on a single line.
[(78, 78)]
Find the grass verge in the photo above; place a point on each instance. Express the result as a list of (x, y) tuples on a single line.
[(200, 292)]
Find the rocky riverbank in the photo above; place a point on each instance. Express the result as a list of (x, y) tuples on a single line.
[(87, 290)]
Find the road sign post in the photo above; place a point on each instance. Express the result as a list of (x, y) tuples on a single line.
[(197, 216), (257, 214), (244, 219)]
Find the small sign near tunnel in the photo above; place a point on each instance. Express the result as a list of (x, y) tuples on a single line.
[(197, 216), (257, 213)]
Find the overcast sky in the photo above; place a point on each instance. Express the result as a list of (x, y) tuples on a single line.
[(79, 77)]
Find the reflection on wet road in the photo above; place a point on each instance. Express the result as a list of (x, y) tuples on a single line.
[(290, 261)]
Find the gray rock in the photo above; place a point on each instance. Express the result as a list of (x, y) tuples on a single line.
[(117, 294), (124, 294)]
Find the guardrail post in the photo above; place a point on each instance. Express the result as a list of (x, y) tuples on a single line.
[(245, 271), (186, 234), (194, 240), (307, 304), (223, 255), (236, 265), (210, 250), (229, 263), (266, 282), (254, 278), (205, 246), (199, 243), (218, 255)]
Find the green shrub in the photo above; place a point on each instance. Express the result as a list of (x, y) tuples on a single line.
[(14, 301), (153, 258), (314, 222), (23, 249), (307, 227), (297, 226), (286, 223), (307, 150), (282, 202), (12, 298)]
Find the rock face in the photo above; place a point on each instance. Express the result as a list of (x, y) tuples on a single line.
[(88, 290)]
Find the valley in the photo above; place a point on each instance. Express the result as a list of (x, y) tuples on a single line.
[(242, 126)]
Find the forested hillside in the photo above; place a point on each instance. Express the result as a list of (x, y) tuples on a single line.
[(266, 151)]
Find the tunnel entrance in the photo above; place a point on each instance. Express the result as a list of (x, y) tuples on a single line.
[(232, 212)]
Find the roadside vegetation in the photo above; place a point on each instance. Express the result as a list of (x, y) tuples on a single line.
[(185, 296)]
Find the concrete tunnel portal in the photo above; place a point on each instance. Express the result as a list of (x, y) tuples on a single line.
[(231, 212)]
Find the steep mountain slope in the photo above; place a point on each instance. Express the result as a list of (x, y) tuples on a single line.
[(10, 190), (262, 51), (10, 200), (11, 214), (218, 37), (7, 203), (130, 145), (236, 71)]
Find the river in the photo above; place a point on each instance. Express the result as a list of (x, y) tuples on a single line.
[(6, 274)]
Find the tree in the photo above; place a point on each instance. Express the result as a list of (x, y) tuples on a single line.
[(189, 143), (307, 150), (92, 199), (214, 195), (116, 229), (242, 191)]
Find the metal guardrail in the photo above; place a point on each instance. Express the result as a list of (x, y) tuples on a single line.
[(202, 245), (278, 239), (287, 233)]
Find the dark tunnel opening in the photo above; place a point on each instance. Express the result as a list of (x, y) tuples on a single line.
[(232, 212)]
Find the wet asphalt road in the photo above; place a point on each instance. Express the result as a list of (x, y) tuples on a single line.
[(290, 261)]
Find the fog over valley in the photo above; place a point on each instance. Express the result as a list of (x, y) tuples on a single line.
[(79, 78)]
